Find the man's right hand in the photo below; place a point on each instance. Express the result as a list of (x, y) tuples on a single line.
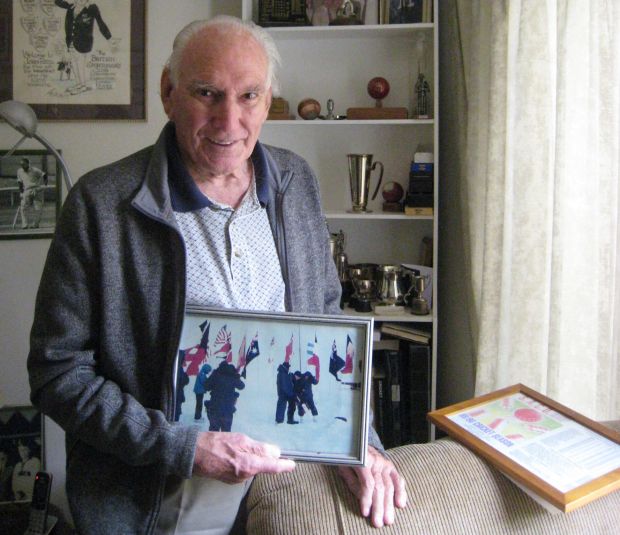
[(234, 457)]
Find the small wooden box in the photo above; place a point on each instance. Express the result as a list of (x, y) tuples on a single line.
[(377, 113)]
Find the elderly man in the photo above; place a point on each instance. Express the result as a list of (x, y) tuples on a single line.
[(209, 216)]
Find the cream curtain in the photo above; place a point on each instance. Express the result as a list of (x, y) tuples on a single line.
[(540, 195)]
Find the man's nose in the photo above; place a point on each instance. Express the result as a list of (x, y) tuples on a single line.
[(227, 112)]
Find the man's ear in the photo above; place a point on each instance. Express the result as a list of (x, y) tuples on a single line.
[(165, 91)]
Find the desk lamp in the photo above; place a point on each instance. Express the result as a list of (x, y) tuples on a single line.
[(23, 118)]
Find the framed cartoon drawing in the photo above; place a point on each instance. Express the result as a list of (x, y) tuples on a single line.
[(300, 382), (78, 59)]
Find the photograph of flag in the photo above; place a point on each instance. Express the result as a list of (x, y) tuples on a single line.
[(330, 412)]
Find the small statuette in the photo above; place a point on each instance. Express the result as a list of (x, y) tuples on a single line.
[(330, 110)]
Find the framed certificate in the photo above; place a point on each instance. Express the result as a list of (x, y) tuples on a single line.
[(558, 456), (298, 381)]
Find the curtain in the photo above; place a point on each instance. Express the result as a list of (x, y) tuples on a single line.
[(539, 194)]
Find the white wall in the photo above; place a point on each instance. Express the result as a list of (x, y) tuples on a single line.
[(85, 145)]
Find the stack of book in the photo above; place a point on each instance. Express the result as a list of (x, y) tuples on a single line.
[(401, 384), (421, 192)]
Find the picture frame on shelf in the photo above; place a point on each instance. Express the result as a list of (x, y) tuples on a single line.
[(234, 368), (104, 79), (30, 194), (22, 448), (405, 11), (559, 457), (278, 13)]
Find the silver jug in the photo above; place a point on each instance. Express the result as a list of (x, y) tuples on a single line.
[(391, 288)]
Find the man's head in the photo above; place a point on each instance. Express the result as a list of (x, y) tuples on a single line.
[(217, 88), (25, 163)]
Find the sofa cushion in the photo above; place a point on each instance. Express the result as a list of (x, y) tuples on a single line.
[(450, 489)]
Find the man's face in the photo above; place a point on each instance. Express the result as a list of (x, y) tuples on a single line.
[(220, 102), (25, 165)]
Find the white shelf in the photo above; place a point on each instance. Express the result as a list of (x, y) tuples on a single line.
[(406, 317), (349, 122), (361, 30), (375, 216)]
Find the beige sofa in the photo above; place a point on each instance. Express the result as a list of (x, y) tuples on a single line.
[(451, 491)]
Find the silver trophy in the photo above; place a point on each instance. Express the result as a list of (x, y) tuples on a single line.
[(360, 169)]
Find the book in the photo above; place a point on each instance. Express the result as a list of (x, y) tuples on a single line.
[(379, 390), (393, 358), (416, 367), (406, 332)]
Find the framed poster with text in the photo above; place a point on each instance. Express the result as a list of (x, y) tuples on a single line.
[(558, 456)]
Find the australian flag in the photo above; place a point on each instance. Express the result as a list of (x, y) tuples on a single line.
[(252, 353)]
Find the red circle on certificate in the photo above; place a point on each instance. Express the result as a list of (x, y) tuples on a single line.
[(527, 415)]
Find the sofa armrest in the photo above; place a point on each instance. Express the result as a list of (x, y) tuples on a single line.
[(450, 489)]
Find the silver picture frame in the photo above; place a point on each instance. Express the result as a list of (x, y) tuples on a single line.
[(229, 364)]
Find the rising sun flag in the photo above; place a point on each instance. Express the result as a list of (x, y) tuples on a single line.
[(223, 340)]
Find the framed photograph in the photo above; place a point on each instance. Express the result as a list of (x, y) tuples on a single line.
[(78, 59), (558, 456), (30, 195), (405, 11), (21, 451), (299, 382)]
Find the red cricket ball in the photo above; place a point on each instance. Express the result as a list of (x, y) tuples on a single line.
[(392, 192), (378, 88)]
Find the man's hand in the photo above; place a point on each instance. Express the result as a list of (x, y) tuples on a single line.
[(377, 486), (234, 457)]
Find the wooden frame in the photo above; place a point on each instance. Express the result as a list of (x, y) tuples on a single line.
[(20, 426), (518, 430), (243, 353), (114, 90), (48, 197)]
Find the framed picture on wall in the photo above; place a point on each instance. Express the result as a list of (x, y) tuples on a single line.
[(21, 451), (299, 382), (30, 195), (74, 59)]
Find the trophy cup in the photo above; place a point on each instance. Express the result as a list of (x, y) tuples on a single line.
[(360, 168), (418, 303)]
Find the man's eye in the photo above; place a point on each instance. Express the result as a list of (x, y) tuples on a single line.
[(205, 92), (250, 95)]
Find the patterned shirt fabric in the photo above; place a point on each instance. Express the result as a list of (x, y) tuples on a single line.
[(231, 256)]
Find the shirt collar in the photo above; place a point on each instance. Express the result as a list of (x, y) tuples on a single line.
[(185, 195)]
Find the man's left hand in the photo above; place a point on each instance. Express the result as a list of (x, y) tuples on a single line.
[(377, 486)]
